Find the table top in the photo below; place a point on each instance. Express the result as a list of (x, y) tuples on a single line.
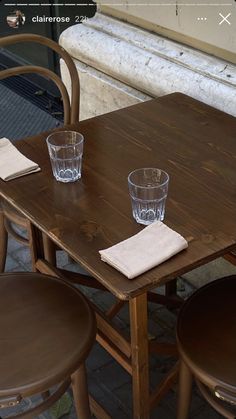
[(193, 142)]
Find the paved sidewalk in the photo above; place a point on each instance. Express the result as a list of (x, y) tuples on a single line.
[(108, 382)]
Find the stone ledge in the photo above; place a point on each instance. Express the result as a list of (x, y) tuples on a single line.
[(100, 93), (150, 63)]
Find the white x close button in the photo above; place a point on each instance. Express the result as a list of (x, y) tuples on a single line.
[(225, 19)]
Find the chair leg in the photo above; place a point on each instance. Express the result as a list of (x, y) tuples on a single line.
[(80, 392), (45, 395), (3, 243), (184, 391)]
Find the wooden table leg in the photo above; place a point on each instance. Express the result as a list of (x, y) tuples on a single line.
[(49, 250), (35, 244), (140, 356)]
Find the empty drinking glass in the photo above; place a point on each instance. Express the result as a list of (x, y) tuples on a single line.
[(148, 188), (65, 151)]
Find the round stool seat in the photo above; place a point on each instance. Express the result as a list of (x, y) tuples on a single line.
[(47, 329), (206, 333)]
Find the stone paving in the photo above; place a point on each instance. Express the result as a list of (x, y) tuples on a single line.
[(108, 382)]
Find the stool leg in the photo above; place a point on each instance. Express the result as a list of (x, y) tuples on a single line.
[(184, 391), (80, 393), (3, 242)]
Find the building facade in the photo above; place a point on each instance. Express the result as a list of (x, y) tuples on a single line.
[(134, 52)]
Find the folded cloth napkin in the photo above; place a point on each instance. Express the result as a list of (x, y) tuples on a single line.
[(13, 164), (141, 252)]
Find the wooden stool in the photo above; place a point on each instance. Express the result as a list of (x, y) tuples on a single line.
[(206, 338), (47, 330)]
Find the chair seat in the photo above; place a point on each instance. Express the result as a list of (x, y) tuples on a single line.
[(47, 329), (206, 333)]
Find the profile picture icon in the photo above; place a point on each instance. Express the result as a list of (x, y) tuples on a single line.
[(16, 19)]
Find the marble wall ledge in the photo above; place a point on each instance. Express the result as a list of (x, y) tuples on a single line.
[(150, 64), (185, 56), (100, 93)]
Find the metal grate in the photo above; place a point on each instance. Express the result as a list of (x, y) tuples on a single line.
[(33, 93), (20, 117)]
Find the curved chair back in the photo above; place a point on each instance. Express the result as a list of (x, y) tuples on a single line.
[(71, 111), (8, 214)]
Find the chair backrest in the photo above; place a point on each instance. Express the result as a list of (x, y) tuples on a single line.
[(71, 110)]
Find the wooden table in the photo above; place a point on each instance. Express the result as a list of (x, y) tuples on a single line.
[(196, 145)]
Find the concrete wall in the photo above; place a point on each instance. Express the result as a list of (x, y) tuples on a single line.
[(120, 64)]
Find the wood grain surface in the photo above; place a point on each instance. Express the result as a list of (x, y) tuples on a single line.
[(194, 143)]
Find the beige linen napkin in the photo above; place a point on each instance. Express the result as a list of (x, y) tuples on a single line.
[(141, 252), (13, 164)]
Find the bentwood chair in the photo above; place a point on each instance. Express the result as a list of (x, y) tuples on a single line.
[(206, 339), (9, 217), (47, 331)]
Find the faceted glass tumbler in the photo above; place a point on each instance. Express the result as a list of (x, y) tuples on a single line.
[(148, 188), (66, 150)]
